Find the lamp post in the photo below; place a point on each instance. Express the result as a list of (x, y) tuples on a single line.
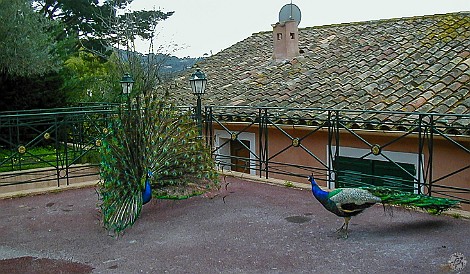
[(127, 82), (198, 82)]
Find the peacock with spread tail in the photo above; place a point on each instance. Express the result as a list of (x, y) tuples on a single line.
[(349, 202), (152, 149)]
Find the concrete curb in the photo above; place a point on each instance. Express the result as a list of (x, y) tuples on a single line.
[(45, 190), (456, 213)]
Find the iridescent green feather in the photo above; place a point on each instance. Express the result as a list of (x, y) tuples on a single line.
[(432, 205), (334, 192)]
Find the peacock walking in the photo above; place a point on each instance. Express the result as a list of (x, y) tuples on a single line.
[(152, 149), (349, 202)]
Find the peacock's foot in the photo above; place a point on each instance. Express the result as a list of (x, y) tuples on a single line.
[(340, 229), (343, 231)]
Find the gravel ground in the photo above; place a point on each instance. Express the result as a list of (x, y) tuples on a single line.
[(246, 228)]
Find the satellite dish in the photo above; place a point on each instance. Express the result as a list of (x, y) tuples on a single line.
[(290, 12)]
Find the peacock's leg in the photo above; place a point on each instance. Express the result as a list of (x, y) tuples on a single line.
[(341, 228), (344, 228), (346, 221)]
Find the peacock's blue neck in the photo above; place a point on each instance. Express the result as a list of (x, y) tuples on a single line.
[(147, 193), (320, 194)]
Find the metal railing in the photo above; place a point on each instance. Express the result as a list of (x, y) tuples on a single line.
[(381, 137), (59, 145), (51, 147)]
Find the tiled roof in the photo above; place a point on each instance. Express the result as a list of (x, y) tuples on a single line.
[(417, 64)]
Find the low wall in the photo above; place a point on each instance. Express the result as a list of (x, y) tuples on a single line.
[(46, 178)]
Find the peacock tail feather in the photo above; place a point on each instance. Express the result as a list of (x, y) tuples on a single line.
[(158, 138), (432, 205), (121, 211), (120, 191)]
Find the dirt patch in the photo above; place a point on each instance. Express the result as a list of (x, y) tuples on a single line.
[(26, 265)]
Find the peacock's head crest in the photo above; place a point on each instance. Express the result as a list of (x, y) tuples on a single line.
[(312, 179)]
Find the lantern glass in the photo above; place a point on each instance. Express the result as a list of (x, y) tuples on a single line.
[(198, 82), (126, 88), (127, 82)]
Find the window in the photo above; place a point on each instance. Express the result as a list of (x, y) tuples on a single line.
[(354, 172), (292, 35), (279, 36), (353, 169)]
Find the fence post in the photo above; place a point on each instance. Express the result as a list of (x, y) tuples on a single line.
[(431, 151), (263, 112), (209, 129), (420, 151)]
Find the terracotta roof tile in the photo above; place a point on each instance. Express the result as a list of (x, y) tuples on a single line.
[(416, 64)]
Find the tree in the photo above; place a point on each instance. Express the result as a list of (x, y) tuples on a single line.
[(29, 58), (87, 78), (105, 33), (26, 47), (100, 26)]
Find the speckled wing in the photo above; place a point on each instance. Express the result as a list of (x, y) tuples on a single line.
[(351, 199)]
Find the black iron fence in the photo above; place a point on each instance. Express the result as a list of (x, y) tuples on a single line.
[(51, 147), (421, 152)]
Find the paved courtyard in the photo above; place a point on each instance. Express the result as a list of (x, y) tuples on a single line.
[(246, 228)]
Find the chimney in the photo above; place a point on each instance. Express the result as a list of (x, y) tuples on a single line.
[(286, 40)]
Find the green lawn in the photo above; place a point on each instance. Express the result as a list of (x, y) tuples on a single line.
[(41, 157)]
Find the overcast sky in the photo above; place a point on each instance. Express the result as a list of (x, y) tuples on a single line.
[(202, 26)]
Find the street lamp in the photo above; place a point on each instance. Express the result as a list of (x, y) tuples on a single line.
[(127, 82), (198, 82)]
